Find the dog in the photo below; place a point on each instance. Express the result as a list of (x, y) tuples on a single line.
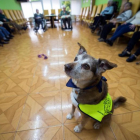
[(90, 89)]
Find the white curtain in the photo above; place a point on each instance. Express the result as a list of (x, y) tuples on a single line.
[(75, 7), (27, 9), (47, 5), (56, 5)]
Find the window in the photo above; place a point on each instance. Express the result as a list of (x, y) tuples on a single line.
[(27, 9), (37, 5), (47, 5), (56, 5), (75, 7)]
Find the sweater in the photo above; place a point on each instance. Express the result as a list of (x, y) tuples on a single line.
[(125, 15), (2, 16), (135, 19), (107, 11)]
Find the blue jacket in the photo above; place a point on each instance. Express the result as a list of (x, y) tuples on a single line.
[(108, 11)]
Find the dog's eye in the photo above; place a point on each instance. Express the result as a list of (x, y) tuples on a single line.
[(76, 59), (86, 66)]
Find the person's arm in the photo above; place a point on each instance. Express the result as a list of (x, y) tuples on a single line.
[(131, 19), (60, 14), (110, 10), (125, 16), (102, 13)]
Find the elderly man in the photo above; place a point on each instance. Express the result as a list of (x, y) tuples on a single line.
[(38, 18), (65, 17), (4, 19)]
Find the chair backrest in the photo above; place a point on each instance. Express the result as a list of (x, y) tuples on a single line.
[(104, 6), (46, 12), (87, 12), (81, 11), (16, 14), (53, 11), (12, 14), (84, 11), (135, 6), (99, 9), (59, 10), (93, 11), (6, 13)]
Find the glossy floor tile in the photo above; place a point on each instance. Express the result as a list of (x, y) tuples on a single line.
[(34, 99)]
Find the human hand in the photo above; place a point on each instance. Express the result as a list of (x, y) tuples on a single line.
[(132, 27)]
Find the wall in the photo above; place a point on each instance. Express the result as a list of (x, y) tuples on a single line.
[(97, 2), (10, 5), (86, 4)]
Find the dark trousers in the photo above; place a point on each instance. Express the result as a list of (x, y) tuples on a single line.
[(132, 43), (5, 25), (38, 22), (121, 30), (66, 20), (106, 30)]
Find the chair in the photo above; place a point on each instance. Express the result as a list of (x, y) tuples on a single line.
[(46, 12), (83, 14), (99, 9), (90, 20), (79, 16), (14, 18), (86, 16), (17, 16), (104, 6), (6, 13)]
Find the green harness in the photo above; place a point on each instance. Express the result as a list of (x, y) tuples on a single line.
[(99, 110)]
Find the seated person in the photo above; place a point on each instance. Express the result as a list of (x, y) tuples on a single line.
[(124, 16), (128, 26), (104, 15), (64, 13), (130, 46), (38, 19), (4, 19)]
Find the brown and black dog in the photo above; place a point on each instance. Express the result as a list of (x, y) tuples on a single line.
[(86, 71)]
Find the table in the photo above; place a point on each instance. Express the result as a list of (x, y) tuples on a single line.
[(52, 19)]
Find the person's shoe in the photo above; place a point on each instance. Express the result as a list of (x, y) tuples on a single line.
[(11, 35), (8, 37), (24, 28), (4, 42), (124, 54), (5, 39), (109, 42), (131, 58), (65, 27), (101, 40)]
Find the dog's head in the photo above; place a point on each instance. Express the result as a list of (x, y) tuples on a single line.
[(86, 67)]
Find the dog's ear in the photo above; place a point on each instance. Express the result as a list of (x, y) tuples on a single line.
[(81, 50), (104, 65)]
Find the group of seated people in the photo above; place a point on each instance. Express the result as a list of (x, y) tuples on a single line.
[(129, 24), (5, 30)]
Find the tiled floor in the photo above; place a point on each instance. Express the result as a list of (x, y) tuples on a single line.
[(34, 100)]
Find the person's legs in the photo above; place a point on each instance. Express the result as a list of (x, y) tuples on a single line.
[(68, 20), (3, 36), (6, 33), (133, 41), (64, 22), (120, 31), (5, 25), (106, 30)]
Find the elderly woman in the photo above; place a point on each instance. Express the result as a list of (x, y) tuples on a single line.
[(128, 26), (104, 15), (65, 17), (122, 17)]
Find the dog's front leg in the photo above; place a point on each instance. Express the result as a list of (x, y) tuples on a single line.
[(79, 127), (71, 114)]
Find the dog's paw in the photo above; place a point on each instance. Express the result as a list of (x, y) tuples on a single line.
[(69, 116), (77, 129), (97, 126)]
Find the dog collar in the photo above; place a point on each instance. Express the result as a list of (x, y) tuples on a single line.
[(99, 85)]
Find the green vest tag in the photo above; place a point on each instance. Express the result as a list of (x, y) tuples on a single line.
[(99, 110)]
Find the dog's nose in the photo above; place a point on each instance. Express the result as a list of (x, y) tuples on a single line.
[(68, 67)]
